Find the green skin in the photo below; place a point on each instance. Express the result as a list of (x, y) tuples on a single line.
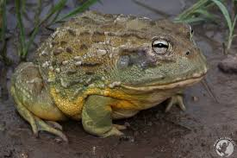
[(36, 105)]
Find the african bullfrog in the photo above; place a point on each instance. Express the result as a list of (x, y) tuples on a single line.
[(99, 67)]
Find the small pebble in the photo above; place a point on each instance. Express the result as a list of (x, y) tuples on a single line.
[(229, 64), (24, 155)]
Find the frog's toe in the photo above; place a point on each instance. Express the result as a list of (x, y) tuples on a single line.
[(120, 127), (54, 125), (51, 127), (176, 100), (113, 132)]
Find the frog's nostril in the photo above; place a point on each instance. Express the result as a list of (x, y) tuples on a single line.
[(187, 53)]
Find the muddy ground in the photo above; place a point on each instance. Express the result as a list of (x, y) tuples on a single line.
[(152, 133)]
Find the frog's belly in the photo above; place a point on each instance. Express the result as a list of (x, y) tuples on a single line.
[(128, 108), (152, 99)]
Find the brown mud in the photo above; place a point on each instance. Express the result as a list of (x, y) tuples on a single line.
[(211, 106)]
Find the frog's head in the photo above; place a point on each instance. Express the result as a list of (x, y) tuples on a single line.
[(166, 58)]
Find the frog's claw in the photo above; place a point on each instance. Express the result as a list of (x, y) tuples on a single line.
[(176, 100)]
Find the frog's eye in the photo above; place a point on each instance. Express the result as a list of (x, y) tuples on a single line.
[(190, 29), (191, 32), (160, 46)]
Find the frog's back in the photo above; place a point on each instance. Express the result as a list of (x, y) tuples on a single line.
[(80, 56), (76, 59), (80, 52)]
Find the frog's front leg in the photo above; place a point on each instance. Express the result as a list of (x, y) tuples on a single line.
[(176, 100), (97, 117)]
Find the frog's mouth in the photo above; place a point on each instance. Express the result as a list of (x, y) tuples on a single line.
[(176, 84)]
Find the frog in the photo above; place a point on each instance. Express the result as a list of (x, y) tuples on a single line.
[(96, 68)]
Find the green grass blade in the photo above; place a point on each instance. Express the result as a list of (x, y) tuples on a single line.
[(21, 27), (231, 34), (35, 30), (153, 9), (206, 14), (23, 5), (57, 8), (31, 40), (224, 12), (54, 19), (234, 22), (79, 9), (3, 20), (3, 28), (230, 24), (189, 12), (38, 12)]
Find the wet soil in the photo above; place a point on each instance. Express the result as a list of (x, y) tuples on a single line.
[(211, 108)]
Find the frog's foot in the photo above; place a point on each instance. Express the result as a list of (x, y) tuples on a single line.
[(97, 117), (176, 100), (113, 132), (52, 127), (38, 124)]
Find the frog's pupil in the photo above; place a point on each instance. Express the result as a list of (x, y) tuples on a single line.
[(160, 45)]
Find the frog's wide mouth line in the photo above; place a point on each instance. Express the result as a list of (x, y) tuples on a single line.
[(180, 83)]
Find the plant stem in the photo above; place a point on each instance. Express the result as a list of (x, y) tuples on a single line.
[(20, 25), (3, 27), (190, 10)]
